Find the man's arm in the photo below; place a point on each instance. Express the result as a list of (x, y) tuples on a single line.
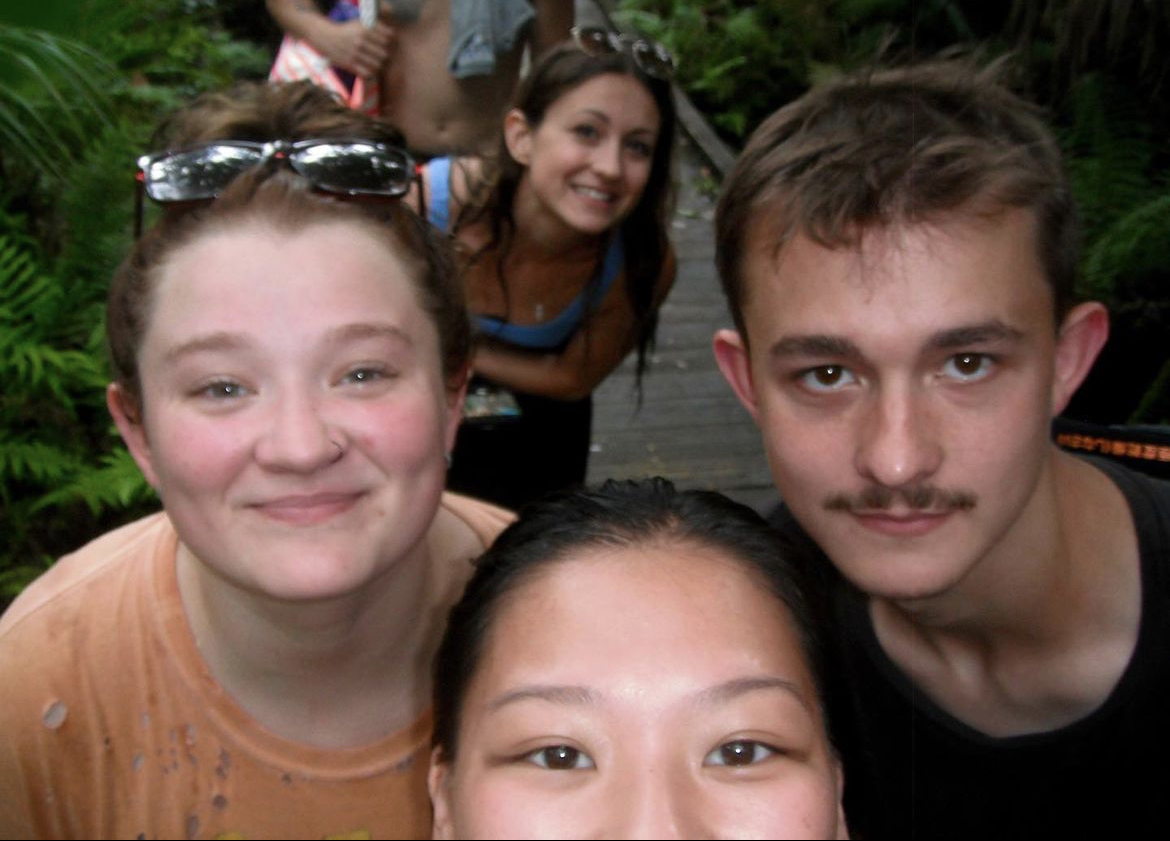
[(554, 19)]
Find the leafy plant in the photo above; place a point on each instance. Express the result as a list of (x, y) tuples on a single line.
[(74, 114)]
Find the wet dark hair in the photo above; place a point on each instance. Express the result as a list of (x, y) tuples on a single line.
[(274, 195), (628, 513), (561, 70), (887, 146)]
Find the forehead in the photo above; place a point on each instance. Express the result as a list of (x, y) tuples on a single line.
[(605, 614), (898, 280), (258, 279), (615, 95)]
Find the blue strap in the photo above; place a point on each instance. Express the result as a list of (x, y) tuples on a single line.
[(557, 330), (438, 171)]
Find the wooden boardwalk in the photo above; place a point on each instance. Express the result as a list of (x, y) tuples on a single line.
[(690, 428)]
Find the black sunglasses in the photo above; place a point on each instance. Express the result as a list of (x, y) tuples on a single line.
[(347, 167), (652, 58)]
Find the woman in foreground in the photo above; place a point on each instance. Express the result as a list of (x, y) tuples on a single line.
[(290, 348), (633, 662)]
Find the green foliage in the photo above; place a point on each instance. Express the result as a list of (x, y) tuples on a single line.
[(1101, 67), (51, 96), (740, 60), (74, 115)]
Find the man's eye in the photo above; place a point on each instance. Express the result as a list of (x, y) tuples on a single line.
[(560, 758), (739, 753), (826, 378), (968, 367)]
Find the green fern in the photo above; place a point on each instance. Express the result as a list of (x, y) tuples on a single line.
[(117, 484)]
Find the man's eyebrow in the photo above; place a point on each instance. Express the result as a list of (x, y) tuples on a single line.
[(552, 693), (973, 334), (818, 344), (814, 345), (732, 689)]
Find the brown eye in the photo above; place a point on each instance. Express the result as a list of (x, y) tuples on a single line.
[(560, 758), (826, 378), (738, 753), (968, 367), (829, 375)]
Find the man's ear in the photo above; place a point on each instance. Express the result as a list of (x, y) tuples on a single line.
[(439, 787), (127, 413), (731, 354), (1083, 333), (518, 136)]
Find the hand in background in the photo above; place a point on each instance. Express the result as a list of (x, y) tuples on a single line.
[(351, 46)]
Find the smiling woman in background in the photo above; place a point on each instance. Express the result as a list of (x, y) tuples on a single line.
[(254, 660), (633, 662), (565, 257)]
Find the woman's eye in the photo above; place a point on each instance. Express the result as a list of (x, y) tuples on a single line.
[(738, 753), (968, 367), (826, 378), (586, 131), (362, 376), (221, 390), (560, 758), (640, 148)]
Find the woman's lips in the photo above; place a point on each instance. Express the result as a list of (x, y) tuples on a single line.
[(307, 509)]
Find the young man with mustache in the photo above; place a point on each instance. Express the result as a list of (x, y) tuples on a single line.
[(898, 249)]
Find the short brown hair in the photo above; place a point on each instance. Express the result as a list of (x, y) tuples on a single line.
[(884, 146), (260, 112)]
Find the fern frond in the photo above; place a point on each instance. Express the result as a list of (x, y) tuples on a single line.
[(117, 484)]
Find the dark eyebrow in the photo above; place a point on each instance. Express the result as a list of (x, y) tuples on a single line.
[(815, 345), (951, 338), (553, 694), (732, 689), (974, 334), (594, 112)]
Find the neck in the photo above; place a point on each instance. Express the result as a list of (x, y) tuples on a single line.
[(1042, 628), (336, 673)]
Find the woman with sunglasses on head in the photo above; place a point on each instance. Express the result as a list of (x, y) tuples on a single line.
[(290, 348), (564, 254), (634, 662)]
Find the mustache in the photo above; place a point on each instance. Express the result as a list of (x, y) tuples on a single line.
[(916, 497)]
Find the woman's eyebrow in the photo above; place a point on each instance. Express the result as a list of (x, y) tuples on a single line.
[(729, 690), (552, 693)]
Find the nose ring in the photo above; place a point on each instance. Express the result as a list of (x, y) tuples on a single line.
[(340, 449)]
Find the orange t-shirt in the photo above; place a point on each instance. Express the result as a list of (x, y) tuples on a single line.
[(111, 725)]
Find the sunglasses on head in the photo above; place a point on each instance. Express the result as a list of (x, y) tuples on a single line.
[(652, 58), (346, 167)]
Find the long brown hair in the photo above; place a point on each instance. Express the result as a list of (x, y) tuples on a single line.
[(559, 71)]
